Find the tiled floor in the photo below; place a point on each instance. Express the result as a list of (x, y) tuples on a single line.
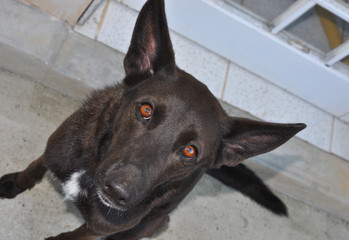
[(37, 44), (269, 102), (117, 27), (340, 139), (345, 117), (202, 63), (28, 115)]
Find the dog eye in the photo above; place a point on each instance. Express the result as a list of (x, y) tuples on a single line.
[(189, 152), (146, 110)]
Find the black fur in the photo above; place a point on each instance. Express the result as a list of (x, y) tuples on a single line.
[(248, 183), (132, 168)]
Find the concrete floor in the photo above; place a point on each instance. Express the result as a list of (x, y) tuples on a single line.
[(30, 112)]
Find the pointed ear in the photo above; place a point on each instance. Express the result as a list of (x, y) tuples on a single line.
[(151, 47), (246, 138)]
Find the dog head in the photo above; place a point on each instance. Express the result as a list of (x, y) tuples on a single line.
[(169, 126)]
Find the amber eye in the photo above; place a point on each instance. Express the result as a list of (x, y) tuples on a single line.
[(146, 110), (189, 152)]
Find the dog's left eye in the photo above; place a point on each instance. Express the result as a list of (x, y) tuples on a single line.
[(145, 111), (189, 152)]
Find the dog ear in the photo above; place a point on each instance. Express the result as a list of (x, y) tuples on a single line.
[(151, 47), (246, 138)]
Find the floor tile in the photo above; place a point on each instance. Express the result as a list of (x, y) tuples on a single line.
[(268, 102), (42, 44), (93, 63), (345, 118), (117, 28), (203, 64), (340, 144)]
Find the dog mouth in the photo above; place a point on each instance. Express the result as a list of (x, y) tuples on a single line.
[(109, 203)]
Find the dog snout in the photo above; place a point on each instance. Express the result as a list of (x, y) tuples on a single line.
[(118, 192), (123, 188)]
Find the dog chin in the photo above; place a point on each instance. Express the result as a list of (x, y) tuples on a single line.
[(108, 203)]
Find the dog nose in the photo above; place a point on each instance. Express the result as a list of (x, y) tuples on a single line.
[(118, 193)]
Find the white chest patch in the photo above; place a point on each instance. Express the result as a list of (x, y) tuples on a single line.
[(72, 188)]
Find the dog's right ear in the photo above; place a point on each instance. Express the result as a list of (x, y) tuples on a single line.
[(246, 138), (151, 48)]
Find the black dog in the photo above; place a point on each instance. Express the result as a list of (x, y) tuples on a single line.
[(133, 151)]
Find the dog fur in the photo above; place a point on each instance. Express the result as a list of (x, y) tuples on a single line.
[(134, 150)]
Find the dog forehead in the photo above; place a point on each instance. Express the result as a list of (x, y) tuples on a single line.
[(184, 87), (190, 103), (182, 98)]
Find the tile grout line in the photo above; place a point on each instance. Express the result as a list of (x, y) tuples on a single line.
[(100, 24), (332, 133), (225, 80), (343, 115)]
